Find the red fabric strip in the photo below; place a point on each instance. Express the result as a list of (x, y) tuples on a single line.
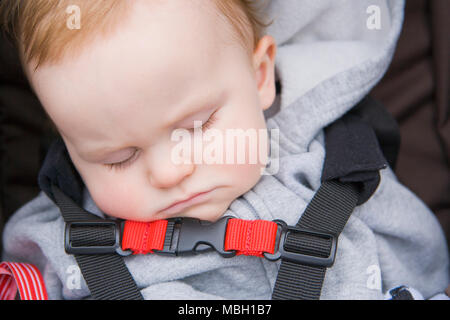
[(251, 237), (144, 237), (23, 277)]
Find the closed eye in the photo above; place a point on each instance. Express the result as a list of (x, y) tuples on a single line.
[(127, 162), (123, 164), (212, 119)]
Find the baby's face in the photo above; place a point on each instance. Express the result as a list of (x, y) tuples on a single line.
[(118, 103)]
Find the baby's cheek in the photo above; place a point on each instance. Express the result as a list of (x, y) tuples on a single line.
[(245, 175), (117, 200)]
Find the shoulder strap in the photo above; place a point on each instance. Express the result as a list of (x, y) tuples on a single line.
[(350, 176), (383, 124), (328, 212), (106, 275)]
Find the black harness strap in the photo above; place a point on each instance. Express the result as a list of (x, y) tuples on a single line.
[(106, 275), (349, 178), (327, 212)]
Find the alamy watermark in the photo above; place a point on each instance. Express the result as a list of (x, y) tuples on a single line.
[(73, 280), (73, 22), (373, 22), (374, 277), (230, 146)]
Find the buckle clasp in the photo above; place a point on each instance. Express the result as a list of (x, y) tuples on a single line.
[(192, 235), (300, 257)]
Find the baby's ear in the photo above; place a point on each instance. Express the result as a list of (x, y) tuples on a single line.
[(264, 67)]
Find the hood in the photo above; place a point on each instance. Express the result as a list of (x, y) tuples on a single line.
[(330, 55)]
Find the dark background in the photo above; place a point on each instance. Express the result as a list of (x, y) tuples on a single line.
[(415, 90)]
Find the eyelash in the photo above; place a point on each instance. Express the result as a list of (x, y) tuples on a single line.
[(123, 164), (212, 119)]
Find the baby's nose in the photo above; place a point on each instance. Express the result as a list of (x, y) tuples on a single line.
[(166, 174)]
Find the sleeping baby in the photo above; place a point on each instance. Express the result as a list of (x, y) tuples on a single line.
[(121, 80)]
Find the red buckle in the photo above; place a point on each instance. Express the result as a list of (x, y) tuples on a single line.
[(251, 237), (178, 236), (144, 237)]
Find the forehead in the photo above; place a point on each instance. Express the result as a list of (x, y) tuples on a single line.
[(163, 52)]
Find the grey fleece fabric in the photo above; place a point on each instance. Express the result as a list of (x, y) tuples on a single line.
[(328, 60)]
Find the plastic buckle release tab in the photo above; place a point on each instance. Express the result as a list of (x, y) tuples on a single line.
[(192, 235)]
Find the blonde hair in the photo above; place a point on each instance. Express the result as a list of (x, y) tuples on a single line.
[(38, 27)]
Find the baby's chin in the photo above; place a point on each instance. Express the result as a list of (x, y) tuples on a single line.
[(203, 211)]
